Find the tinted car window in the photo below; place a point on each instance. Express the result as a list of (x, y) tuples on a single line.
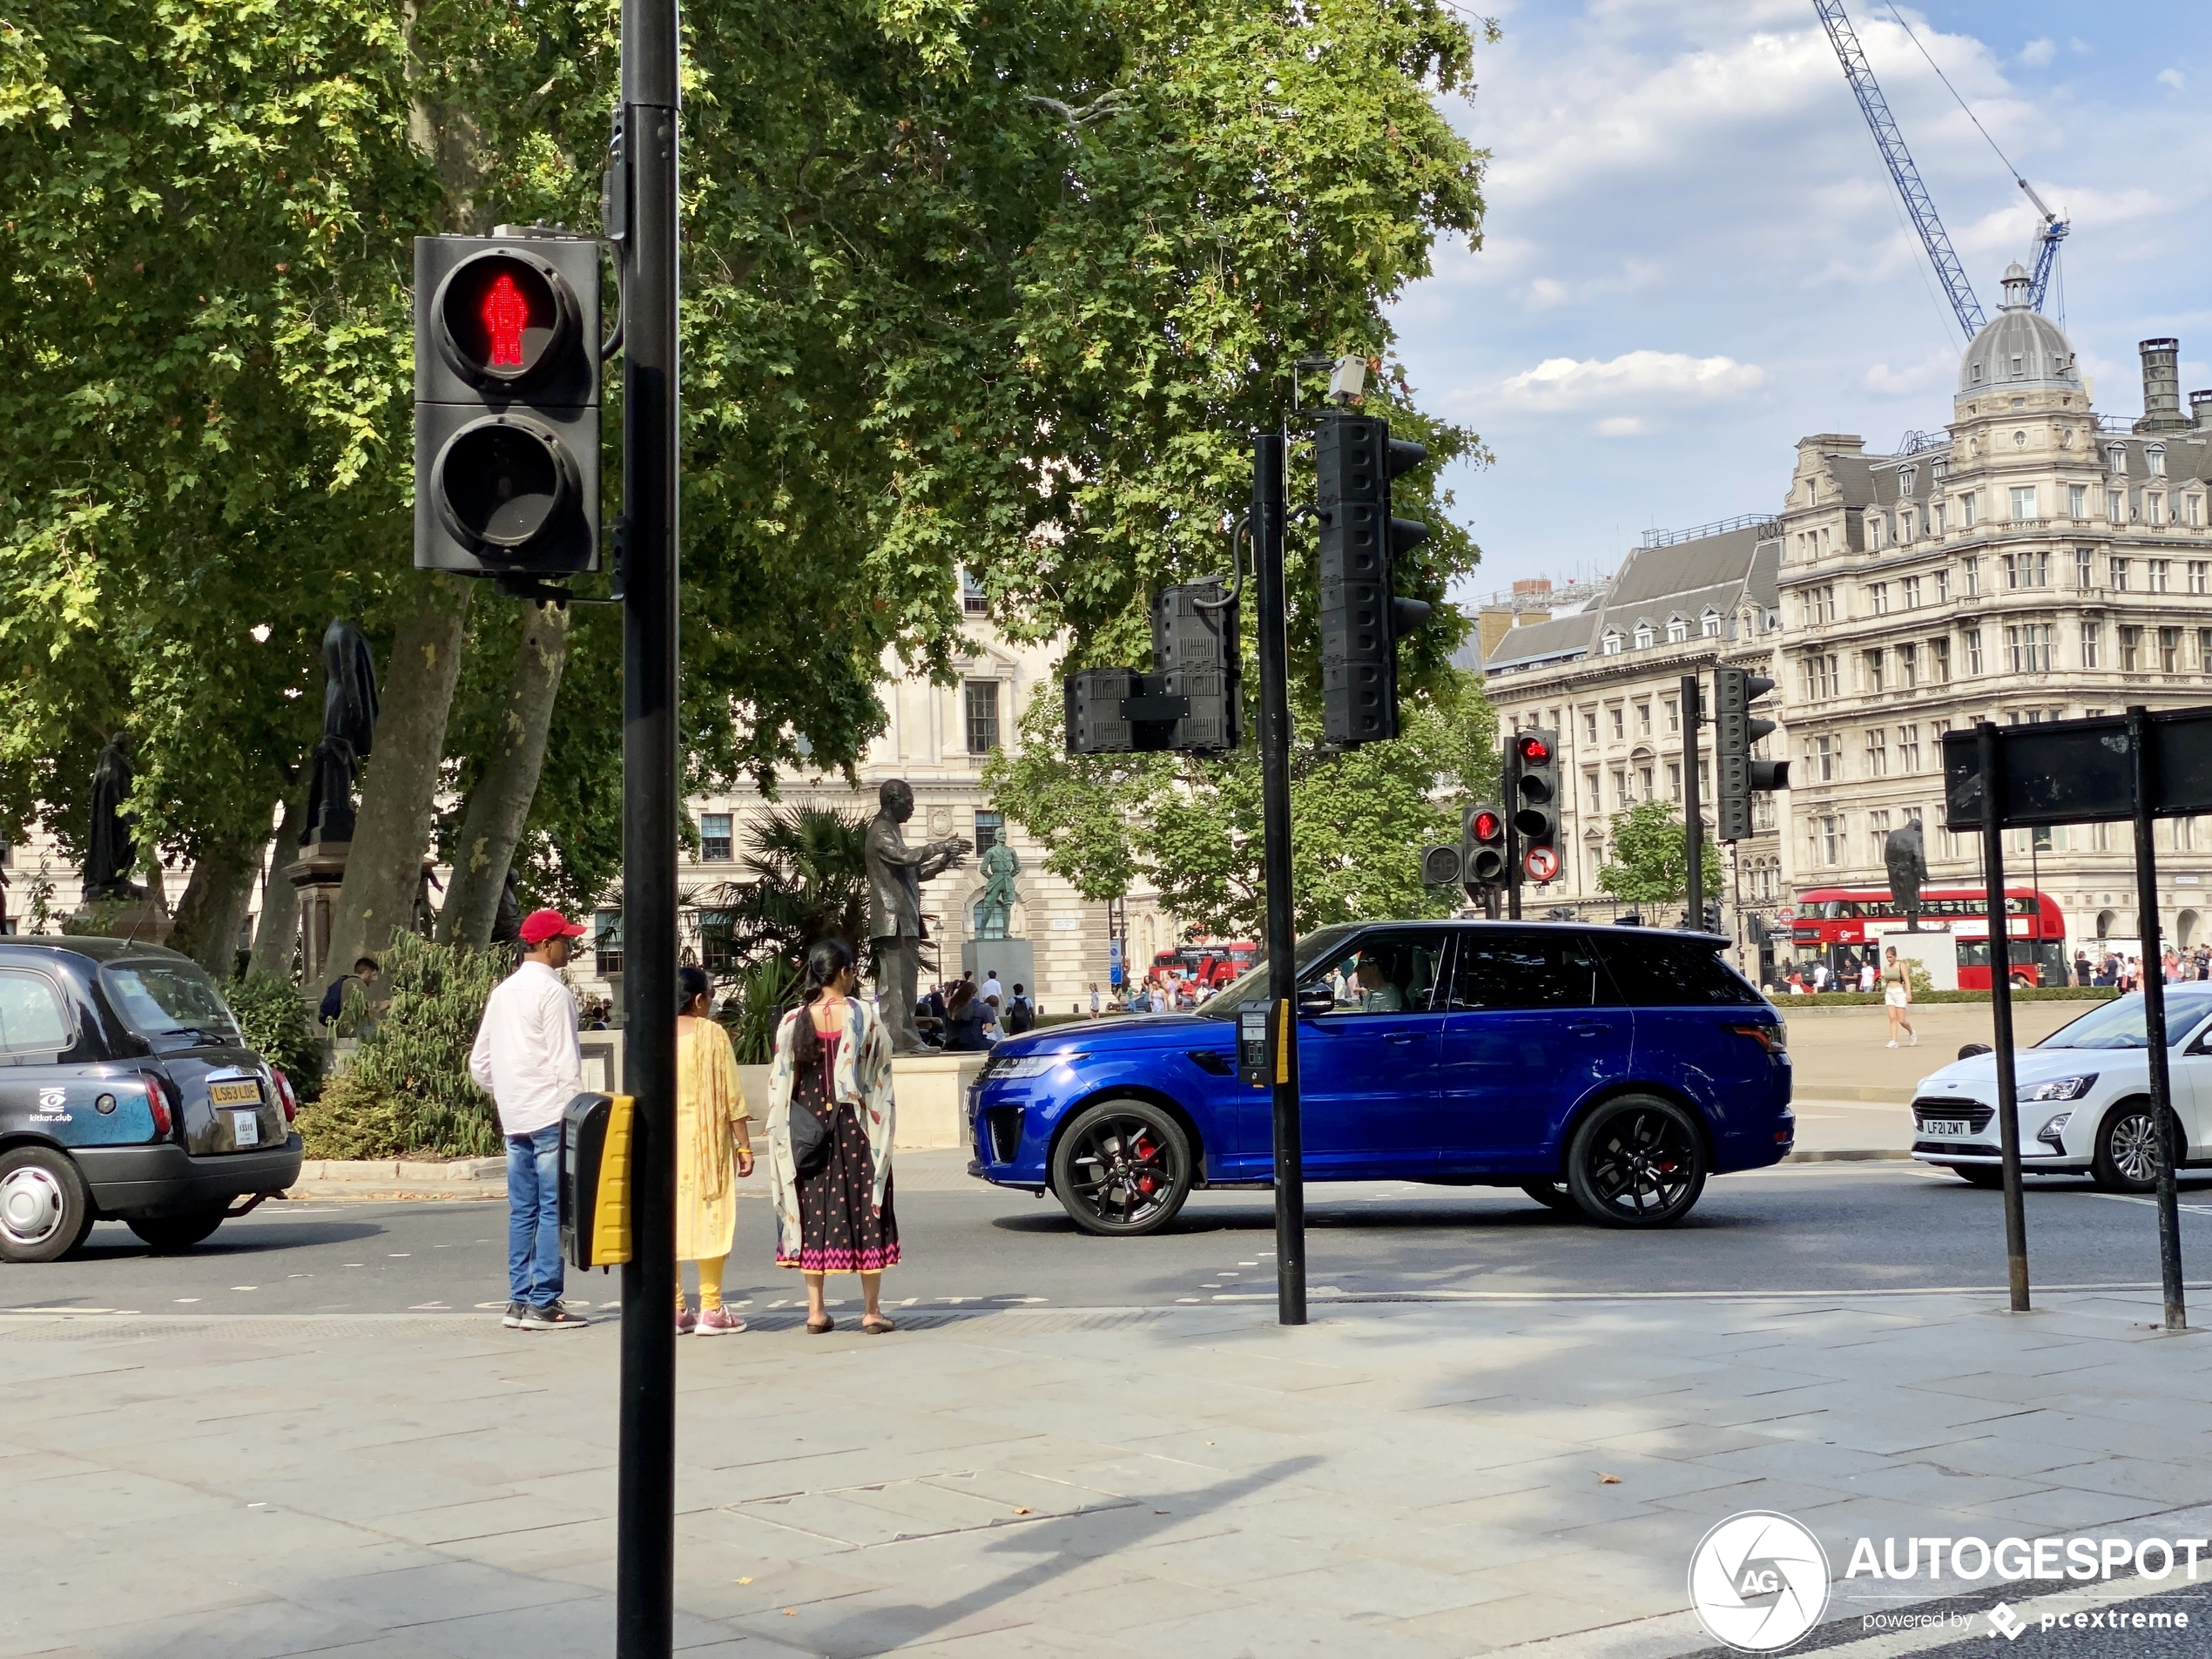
[(31, 1018), (1535, 968), (1251, 989), (1385, 973), (1655, 971), (158, 999)]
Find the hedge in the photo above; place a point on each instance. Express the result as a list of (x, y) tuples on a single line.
[(1873, 999)]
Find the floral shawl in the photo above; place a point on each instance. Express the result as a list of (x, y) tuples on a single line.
[(863, 1076)]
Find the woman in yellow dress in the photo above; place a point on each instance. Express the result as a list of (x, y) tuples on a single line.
[(710, 1120)]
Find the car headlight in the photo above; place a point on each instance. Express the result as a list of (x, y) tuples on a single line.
[(1028, 1065), (2061, 1088), (2053, 1133)]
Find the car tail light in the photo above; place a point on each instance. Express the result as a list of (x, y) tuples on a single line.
[(157, 1102), (285, 1095), (1773, 1038)]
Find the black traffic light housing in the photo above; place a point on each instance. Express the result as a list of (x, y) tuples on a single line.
[(1482, 848), (1535, 815), (1362, 618), (1736, 775), (507, 404), (1194, 701)]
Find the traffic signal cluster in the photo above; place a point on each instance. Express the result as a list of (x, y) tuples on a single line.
[(507, 404), (1362, 617), (1192, 701), (1735, 730), (1535, 775)]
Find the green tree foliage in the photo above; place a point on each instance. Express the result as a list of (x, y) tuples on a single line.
[(274, 1021), (1192, 828), (1651, 857)]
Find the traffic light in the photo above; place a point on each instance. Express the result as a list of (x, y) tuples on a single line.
[(507, 404), (1362, 620), (1536, 806), (1482, 848), (1712, 915), (1735, 730), (1194, 629)]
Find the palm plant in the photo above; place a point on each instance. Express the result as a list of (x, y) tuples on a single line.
[(807, 877)]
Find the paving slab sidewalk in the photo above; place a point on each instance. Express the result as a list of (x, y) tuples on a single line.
[(1395, 1478)]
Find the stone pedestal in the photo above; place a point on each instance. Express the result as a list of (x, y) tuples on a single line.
[(318, 874), (146, 920), (1016, 960), (931, 1093)]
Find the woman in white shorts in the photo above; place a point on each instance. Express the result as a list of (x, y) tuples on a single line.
[(1897, 997)]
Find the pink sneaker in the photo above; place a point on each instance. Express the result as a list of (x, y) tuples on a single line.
[(686, 1321), (718, 1322)]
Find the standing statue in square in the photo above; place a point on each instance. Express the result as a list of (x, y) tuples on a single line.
[(110, 850), (895, 929), (348, 728), (994, 907), (1908, 867)]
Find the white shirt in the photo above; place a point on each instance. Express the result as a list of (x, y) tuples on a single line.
[(526, 1056), (992, 988)]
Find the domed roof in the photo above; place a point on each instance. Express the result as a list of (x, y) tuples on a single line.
[(2022, 350)]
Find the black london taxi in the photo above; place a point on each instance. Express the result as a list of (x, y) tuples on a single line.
[(127, 1094)]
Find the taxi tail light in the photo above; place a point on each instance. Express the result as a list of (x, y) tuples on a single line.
[(157, 1100), (285, 1096), (1773, 1038)]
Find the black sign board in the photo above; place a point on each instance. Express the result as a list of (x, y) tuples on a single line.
[(2082, 772)]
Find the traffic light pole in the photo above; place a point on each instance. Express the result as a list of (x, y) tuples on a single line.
[(1275, 802), (2000, 1010), (2171, 1145), (645, 1481), (1513, 833), (1693, 809)]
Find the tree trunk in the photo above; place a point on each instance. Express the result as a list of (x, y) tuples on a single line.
[(213, 907), (501, 801), (278, 931), (399, 787)]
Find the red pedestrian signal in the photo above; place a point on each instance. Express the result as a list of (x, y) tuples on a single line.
[(505, 312), (1488, 827)]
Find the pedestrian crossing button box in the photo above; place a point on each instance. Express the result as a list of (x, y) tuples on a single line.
[(595, 1180)]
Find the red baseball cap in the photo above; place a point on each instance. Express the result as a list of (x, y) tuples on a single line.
[(541, 924)]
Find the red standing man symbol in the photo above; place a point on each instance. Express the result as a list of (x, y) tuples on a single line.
[(505, 314)]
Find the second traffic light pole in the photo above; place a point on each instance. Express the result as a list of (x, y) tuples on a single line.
[(1693, 809)]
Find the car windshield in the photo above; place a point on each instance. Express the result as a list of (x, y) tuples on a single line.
[(160, 1000), (2118, 1024), (1320, 945)]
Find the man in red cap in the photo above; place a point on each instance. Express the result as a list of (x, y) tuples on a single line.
[(527, 1059)]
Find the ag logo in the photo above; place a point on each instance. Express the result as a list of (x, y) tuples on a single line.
[(1759, 1581)]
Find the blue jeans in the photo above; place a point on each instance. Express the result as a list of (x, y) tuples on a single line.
[(534, 1267)]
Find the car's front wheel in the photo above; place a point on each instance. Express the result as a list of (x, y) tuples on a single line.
[(2127, 1152), (45, 1210), (1122, 1169), (176, 1232), (1636, 1162)]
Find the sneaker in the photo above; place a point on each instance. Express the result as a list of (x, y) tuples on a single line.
[(718, 1322), (1892, 1042), (555, 1317), (513, 1318), (686, 1321)]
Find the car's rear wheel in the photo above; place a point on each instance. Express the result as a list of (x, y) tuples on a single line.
[(1553, 1195), (1122, 1169), (1636, 1162), (1979, 1174), (2129, 1151), (176, 1232), (45, 1210)]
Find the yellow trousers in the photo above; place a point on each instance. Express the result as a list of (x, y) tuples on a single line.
[(710, 1282)]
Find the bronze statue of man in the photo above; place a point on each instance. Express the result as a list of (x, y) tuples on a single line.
[(110, 850), (348, 728), (1908, 865), (895, 929)]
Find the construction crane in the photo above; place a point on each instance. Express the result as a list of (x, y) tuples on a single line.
[(1891, 142)]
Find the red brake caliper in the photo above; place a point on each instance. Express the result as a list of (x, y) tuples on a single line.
[(1145, 1149)]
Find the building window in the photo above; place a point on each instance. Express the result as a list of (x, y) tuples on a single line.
[(1643, 720), (2154, 508), (1908, 748), (1966, 510), (2204, 650), (1709, 626), (1878, 835), (2028, 646), (1589, 790), (1621, 800), (2023, 502), (1832, 838), (2026, 569), (1908, 666), (715, 845), (2091, 642), (1873, 531), (2155, 454), (1877, 598), (1935, 518), (2085, 573), (1973, 650), (2118, 574), (1878, 751), (1912, 593), (1820, 677), (1972, 568), (1678, 630), (2169, 650), (972, 602), (1620, 723), (1673, 781), (1644, 775), (2116, 460), (2160, 577), (1611, 646), (2131, 648), (990, 830), (2115, 507), (2197, 571), (982, 716), (2077, 501), (1873, 671), (1673, 713), (1590, 726), (1943, 585), (2193, 508), (1940, 661), (1826, 756), (1644, 636)]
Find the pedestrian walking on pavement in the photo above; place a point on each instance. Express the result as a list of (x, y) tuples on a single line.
[(527, 1059), (711, 1123), (1897, 997), (830, 1122)]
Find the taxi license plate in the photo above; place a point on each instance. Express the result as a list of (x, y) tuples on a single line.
[(246, 1128), (1948, 1129), (243, 1092)]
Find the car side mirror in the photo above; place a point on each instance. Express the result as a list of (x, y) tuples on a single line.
[(1968, 1050), (1316, 999)]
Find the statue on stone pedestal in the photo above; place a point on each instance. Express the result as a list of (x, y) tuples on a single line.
[(348, 727), (1908, 867), (995, 906), (895, 930), (111, 851)]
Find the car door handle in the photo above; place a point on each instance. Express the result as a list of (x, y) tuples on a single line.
[(1402, 1037), (1589, 1028)]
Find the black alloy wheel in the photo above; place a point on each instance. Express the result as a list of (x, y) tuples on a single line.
[(1636, 1162), (1553, 1195), (45, 1210), (1122, 1169), (2127, 1152), (176, 1232), (1980, 1175)]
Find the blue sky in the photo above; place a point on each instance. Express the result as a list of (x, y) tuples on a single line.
[(1694, 255)]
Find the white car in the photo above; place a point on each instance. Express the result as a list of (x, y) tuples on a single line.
[(2083, 1094)]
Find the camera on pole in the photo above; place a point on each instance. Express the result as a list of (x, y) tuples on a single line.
[(1193, 702), (1536, 811), (1362, 620), (1735, 730), (507, 404)]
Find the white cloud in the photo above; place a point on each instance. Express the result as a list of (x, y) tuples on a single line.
[(2171, 77), (2039, 52), (1928, 374), (1545, 292), (1621, 426), (1633, 377)]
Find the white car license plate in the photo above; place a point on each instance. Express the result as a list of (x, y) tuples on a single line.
[(246, 1128), (1948, 1129)]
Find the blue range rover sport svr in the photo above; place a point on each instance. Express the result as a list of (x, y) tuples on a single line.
[(1608, 1070)]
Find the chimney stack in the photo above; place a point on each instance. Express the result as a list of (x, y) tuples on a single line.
[(2200, 409), (2161, 387)]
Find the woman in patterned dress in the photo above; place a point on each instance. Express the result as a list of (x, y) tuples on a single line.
[(709, 1116), (833, 1060)]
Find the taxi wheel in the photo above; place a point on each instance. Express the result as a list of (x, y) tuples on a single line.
[(2128, 1153), (176, 1232), (1636, 1162), (44, 1211), (1553, 1195), (1122, 1169)]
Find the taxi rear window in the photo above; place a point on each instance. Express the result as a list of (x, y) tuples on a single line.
[(163, 999)]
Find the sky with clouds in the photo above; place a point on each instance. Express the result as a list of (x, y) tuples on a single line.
[(1694, 255)]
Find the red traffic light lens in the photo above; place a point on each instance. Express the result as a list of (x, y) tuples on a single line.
[(1488, 827), (1534, 752), (502, 317)]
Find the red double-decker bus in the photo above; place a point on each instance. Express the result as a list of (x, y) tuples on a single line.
[(1839, 926)]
